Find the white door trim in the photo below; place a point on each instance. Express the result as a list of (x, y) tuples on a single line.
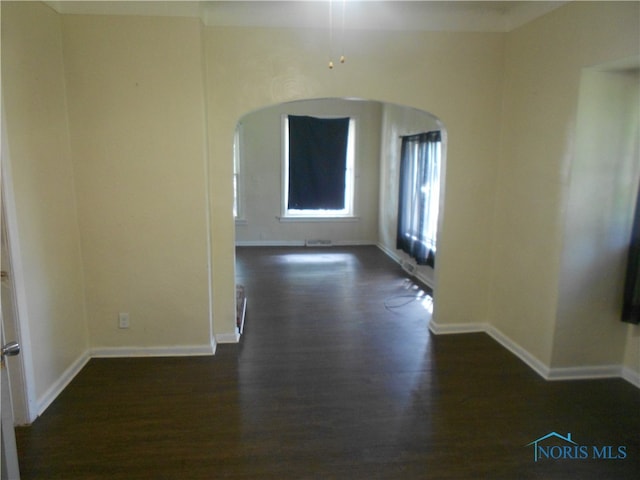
[(22, 382)]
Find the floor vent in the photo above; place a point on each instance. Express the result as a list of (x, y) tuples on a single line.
[(318, 243)]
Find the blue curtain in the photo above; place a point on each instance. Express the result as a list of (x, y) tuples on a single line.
[(317, 162), (631, 300), (419, 196)]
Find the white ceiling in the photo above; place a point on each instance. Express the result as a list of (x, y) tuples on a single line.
[(452, 15)]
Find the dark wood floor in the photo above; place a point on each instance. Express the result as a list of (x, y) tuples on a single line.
[(336, 377)]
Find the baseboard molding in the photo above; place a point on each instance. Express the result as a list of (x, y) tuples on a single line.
[(550, 374), (56, 389), (534, 363), (546, 372), (390, 253), (426, 280), (393, 255), (300, 243), (354, 243), (115, 352), (631, 376), (585, 373), (161, 351), (272, 243), (228, 337), (457, 328)]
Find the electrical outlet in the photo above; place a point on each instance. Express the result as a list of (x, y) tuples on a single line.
[(123, 320)]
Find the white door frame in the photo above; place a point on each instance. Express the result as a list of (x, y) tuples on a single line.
[(9, 468), (20, 369)]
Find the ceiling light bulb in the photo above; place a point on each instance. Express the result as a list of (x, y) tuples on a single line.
[(330, 64)]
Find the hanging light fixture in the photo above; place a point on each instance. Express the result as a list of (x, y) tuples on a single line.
[(342, 56)]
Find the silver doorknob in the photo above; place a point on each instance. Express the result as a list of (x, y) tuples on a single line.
[(11, 349)]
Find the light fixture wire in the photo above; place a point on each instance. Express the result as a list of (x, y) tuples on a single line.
[(330, 34), (344, 8), (343, 58)]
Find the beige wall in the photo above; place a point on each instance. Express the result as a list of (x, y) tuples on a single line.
[(602, 191), (148, 149), (262, 157), (43, 193), (632, 351), (136, 102), (544, 60), (456, 76)]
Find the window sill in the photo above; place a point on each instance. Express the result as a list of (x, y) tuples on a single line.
[(317, 219)]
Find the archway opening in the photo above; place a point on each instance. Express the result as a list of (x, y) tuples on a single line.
[(260, 177)]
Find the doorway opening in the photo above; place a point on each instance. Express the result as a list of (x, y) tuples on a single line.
[(261, 182)]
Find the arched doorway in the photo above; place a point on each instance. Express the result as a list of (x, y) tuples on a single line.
[(380, 127)]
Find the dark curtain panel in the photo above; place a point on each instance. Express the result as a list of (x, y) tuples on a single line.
[(317, 162), (631, 306), (419, 196)]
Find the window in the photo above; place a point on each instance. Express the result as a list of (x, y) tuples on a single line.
[(318, 167), (419, 197)]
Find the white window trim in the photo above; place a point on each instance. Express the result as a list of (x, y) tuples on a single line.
[(349, 212)]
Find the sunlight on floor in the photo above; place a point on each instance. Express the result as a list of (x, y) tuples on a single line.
[(315, 258)]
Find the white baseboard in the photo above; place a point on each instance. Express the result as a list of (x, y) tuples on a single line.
[(585, 373), (429, 282), (551, 374), (546, 372), (114, 352), (354, 243), (393, 255), (269, 243), (299, 243), (161, 351), (228, 337), (59, 385), (426, 280), (631, 376), (456, 328), (534, 363)]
